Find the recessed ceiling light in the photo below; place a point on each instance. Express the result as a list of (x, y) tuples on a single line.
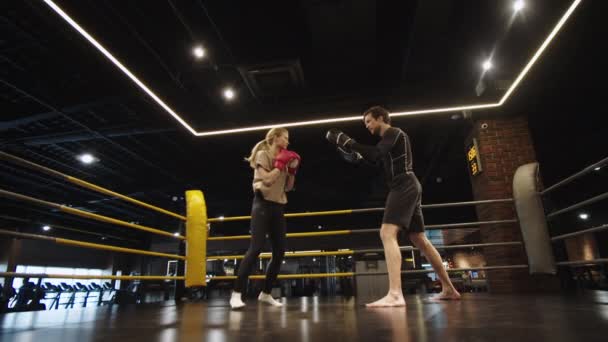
[(229, 94), (198, 52), (87, 158), (487, 65)]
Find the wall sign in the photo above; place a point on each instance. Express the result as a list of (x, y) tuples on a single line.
[(473, 159)]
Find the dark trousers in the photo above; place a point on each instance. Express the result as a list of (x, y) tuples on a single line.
[(267, 219)]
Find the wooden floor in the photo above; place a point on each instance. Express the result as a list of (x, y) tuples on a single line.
[(478, 317)]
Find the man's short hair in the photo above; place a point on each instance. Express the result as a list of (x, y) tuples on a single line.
[(378, 112)]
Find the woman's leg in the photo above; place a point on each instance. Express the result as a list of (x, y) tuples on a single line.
[(260, 214), (276, 233)]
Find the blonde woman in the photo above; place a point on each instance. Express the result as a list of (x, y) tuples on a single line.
[(274, 169)]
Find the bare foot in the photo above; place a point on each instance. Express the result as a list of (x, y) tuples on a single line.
[(447, 295), (389, 300)]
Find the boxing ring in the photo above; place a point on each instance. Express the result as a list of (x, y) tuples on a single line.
[(196, 238), (479, 315)]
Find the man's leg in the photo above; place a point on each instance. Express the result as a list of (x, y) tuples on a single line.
[(430, 252), (392, 255)]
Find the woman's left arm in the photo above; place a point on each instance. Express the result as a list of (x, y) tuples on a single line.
[(291, 179)]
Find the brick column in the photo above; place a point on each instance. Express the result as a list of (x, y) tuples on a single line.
[(504, 144)]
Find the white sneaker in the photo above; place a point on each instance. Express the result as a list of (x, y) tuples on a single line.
[(266, 298), (235, 300)]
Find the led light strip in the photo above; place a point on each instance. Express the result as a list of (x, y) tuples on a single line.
[(116, 62), (168, 109), (540, 50)]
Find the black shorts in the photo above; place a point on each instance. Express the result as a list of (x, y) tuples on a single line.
[(403, 205)]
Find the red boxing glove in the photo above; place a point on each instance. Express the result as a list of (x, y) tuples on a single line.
[(283, 158), (294, 164)]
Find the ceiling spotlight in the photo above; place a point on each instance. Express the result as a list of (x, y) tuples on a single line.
[(320, 227), (198, 52), (518, 5), (228, 94), (598, 168), (221, 218), (487, 65), (87, 158), (176, 234), (46, 228), (583, 216), (313, 259)]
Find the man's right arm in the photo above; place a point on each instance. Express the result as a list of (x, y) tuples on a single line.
[(374, 154)]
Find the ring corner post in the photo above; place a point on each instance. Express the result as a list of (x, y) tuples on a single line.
[(196, 239)]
